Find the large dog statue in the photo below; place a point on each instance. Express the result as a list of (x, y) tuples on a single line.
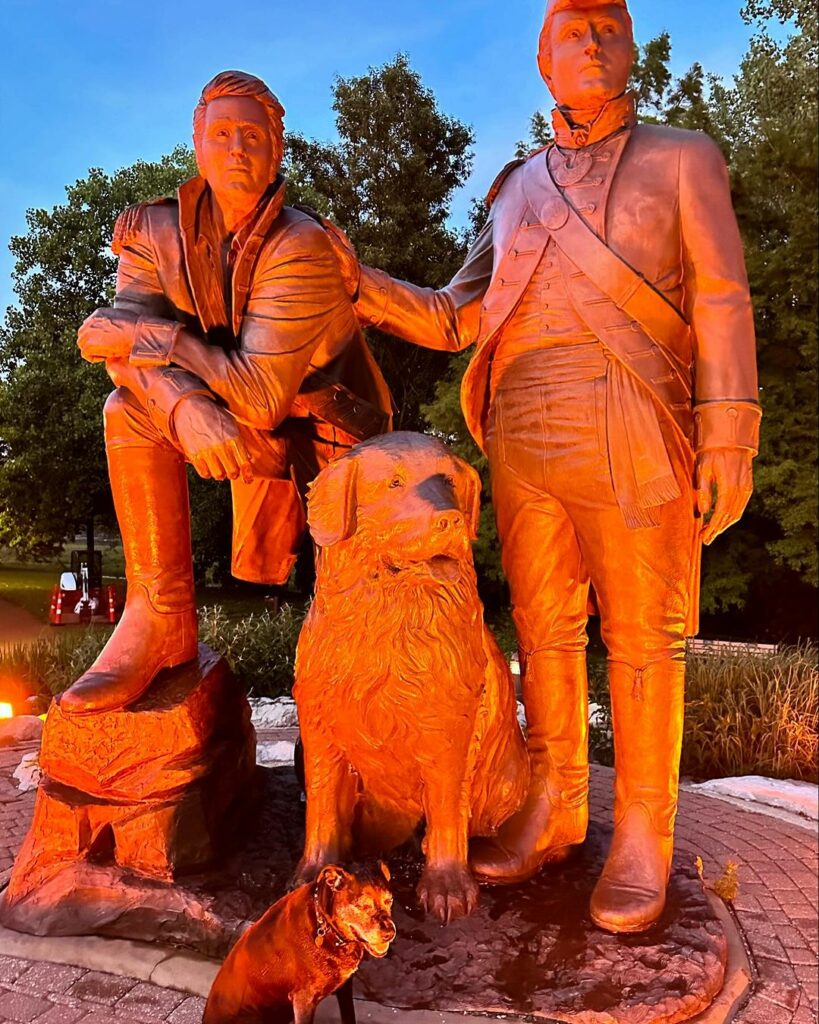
[(406, 704)]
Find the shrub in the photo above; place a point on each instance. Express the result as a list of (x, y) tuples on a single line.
[(753, 714), (260, 650), (745, 714)]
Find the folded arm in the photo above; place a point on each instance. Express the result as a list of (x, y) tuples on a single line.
[(140, 298), (179, 404), (297, 304)]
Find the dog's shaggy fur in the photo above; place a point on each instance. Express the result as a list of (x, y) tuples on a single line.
[(406, 704)]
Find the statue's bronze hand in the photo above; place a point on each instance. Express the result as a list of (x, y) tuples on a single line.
[(346, 256), (210, 439), (729, 472), (107, 334)]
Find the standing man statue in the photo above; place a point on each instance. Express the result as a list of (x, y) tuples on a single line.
[(234, 347), (614, 390)]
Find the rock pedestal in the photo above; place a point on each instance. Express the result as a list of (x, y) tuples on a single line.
[(130, 802)]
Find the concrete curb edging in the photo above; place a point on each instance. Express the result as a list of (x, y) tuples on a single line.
[(189, 972), (739, 975), (753, 807)]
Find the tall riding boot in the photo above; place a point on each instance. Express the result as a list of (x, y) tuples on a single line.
[(158, 629), (647, 716), (555, 813)]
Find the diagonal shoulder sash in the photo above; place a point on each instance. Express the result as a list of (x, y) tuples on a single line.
[(627, 289)]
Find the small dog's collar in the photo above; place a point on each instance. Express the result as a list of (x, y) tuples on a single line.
[(326, 931)]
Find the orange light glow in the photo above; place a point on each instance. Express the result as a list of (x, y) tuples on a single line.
[(6, 710)]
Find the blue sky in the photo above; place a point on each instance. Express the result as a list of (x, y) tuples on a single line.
[(102, 83)]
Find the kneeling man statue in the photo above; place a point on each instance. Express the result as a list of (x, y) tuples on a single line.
[(614, 391), (233, 346)]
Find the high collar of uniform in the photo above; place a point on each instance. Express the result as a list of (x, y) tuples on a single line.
[(612, 117)]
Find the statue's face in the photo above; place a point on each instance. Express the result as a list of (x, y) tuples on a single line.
[(592, 51), (236, 153)]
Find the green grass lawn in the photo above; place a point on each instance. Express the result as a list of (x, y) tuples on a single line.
[(29, 586)]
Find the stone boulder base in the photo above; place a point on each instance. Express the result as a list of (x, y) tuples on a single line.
[(130, 802)]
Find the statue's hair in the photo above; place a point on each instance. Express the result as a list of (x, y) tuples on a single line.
[(240, 83)]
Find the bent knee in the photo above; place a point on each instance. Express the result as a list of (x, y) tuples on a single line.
[(639, 653), (126, 422), (552, 632), (647, 637), (119, 406)]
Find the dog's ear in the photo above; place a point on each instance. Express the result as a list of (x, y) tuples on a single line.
[(333, 877), (331, 502), (385, 871), (468, 489)]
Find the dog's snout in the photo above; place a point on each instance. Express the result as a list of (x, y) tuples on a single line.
[(449, 520)]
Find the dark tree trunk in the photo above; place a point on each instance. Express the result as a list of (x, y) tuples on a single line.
[(89, 542)]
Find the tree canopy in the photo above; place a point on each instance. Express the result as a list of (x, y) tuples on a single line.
[(53, 476), (389, 182)]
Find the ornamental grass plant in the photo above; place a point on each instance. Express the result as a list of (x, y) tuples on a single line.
[(47, 665), (753, 714), (746, 713)]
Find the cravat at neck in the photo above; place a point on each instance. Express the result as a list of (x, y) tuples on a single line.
[(612, 117)]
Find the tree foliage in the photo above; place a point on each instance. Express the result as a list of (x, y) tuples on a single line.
[(53, 477), (389, 181), (774, 163)]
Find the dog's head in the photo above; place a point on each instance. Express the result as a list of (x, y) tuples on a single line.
[(358, 905), (413, 501)]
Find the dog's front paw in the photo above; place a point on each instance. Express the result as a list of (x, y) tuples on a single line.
[(448, 892)]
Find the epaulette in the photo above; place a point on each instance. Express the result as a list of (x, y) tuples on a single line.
[(309, 211), (129, 223), (497, 184)]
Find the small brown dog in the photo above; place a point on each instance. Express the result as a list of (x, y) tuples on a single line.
[(406, 704), (304, 948)]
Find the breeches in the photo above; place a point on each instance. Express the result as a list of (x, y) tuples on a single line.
[(268, 514), (561, 530)]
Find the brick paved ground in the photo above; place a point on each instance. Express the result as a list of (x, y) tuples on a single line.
[(776, 910), (15, 808)]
